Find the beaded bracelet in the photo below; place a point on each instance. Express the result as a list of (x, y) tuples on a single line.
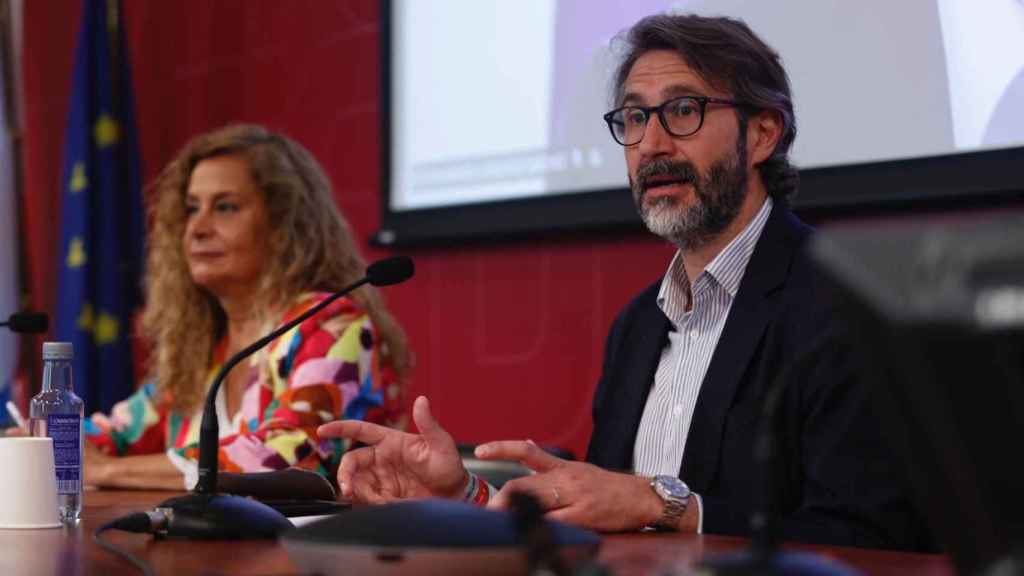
[(478, 491)]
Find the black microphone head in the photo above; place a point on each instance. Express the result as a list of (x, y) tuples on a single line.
[(29, 322), (390, 271)]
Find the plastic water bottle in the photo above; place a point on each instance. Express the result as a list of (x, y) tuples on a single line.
[(57, 412)]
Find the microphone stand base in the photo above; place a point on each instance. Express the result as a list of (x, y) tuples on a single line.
[(221, 517)]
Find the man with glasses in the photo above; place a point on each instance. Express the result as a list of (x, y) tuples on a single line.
[(706, 120)]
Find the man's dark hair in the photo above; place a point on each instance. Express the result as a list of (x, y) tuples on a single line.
[(726, 54)]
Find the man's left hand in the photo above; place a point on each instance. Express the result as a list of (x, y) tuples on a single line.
[(576, 492)]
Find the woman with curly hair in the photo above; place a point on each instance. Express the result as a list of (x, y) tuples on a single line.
[(245, 235)]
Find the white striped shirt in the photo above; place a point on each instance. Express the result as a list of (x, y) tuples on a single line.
[(665, 425)]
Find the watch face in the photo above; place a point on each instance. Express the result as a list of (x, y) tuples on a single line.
[(672, 487)]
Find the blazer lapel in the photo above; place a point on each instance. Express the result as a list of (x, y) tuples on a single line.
[(647, 338), (752, 310)]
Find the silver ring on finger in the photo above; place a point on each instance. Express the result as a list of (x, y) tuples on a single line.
[(558, 499)]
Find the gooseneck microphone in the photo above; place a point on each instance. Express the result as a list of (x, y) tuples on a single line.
[(206, 514), (381, 273), (27, 322)]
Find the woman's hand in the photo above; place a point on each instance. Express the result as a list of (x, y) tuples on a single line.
[(395, 465), (95, 465)]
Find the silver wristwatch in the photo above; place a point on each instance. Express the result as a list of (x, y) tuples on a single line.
[(675, 495)]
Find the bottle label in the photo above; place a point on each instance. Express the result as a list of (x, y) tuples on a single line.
[(66, 432)]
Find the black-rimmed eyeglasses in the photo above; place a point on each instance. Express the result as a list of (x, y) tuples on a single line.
[(679, 117)]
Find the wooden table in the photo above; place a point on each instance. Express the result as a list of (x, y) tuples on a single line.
[(71, 551)]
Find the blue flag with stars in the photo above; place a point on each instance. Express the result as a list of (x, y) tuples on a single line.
[(101, 246)]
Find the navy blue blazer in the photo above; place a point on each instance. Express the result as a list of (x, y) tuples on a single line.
[(837, 483)]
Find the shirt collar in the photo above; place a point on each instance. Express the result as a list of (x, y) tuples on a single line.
[(729, 265), (675, 287), (726, 269)]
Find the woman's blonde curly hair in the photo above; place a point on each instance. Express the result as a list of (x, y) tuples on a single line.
[(310, 244)]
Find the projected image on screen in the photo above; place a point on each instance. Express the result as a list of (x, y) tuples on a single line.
[(988, 106), (495, 100), (480, 114)]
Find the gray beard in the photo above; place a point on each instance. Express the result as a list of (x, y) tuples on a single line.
[(719, 196)]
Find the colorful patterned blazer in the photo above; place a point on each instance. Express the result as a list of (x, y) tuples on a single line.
[(326, 368)]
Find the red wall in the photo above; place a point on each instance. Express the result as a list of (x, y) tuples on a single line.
[(508, 338)]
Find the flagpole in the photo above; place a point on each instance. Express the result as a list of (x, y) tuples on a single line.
[(27, 361)]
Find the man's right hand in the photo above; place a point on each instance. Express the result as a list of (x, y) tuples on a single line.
[(395, 465)]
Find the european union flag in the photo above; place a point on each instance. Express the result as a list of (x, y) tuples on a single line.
[(102, 234)]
